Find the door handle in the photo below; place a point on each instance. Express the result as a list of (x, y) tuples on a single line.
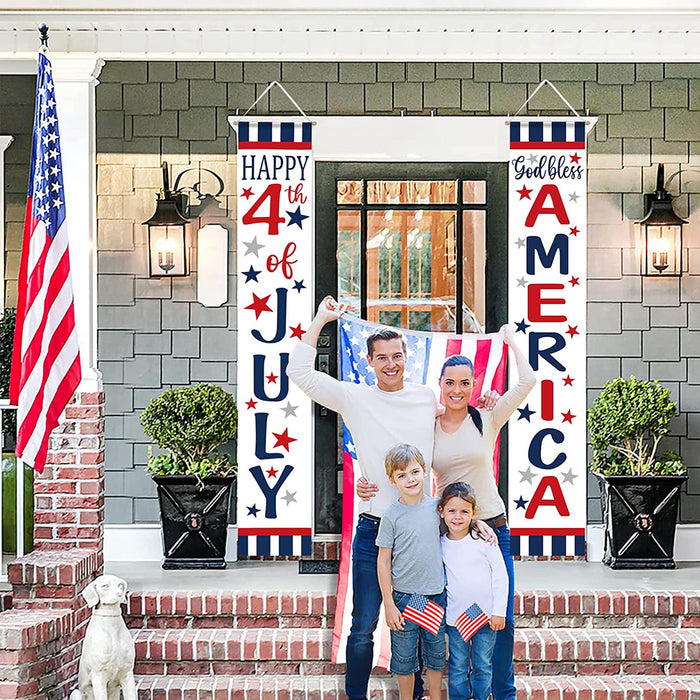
[(324, 365)]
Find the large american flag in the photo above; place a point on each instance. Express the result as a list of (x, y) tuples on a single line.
[(426, 353), (45, 359), (471, 621)]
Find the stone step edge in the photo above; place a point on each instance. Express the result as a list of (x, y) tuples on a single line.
[(538, 602), (304, 644), (591, 687)]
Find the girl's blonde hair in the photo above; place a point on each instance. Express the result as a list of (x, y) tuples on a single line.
[(400, 456), (464, 491)]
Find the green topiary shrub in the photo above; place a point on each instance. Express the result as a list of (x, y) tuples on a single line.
[(7, 335), (626, 423), (191, 422)]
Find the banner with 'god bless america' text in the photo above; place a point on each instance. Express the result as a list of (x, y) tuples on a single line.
[(547, 304), (275, 258)]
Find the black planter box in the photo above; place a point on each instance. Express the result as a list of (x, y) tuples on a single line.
[(640, 514), (194, 520)]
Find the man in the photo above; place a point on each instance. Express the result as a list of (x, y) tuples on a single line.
[(379, 417)]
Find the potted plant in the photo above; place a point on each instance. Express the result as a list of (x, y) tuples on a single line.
[(640, 490), (193, 480)]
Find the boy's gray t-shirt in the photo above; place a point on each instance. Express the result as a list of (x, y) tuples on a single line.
[(413, 535)]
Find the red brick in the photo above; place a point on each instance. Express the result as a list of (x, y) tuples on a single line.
[(92, 457)]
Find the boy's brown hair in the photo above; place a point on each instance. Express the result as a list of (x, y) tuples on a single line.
[(400, 456), (384, 333)]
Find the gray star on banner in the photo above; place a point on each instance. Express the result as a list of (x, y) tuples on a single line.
[(573, 197), (527, 475), (520, 242), (569, 477), (532, 158), (290, 497), (522, 282), (252, 247), (290, 410)]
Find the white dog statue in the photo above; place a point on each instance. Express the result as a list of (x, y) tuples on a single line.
[(107, 661)]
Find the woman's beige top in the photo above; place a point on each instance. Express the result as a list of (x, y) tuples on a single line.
[(465, 455)]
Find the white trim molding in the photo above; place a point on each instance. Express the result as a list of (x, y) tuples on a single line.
[(5, 141), (402, 30)]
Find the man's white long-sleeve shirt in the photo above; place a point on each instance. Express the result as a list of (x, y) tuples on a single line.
[(378, 420)]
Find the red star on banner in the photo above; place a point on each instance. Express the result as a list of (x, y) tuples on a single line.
[(573, 231), (575, 158), (524, 193), (259, 305), (568, 417), (296, 331), (574, 281), (272, 472), (568, 381), (283, 439), (251, 403), (247, 192), (573, 330), (271, 378)]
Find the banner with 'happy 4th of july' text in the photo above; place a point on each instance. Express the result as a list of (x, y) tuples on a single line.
[(547, 304), (275, 264)]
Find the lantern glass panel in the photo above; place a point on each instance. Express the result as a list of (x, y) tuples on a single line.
[(663, 250), (167, 250)]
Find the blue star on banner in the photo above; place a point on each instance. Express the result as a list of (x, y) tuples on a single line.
[(299, 285), (253, 510), (251, 275), (525, 413), (520, 503), (296, 217), (521, 326)]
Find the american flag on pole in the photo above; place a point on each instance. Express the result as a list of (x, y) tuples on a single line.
[(426, 353), (424, 612), (471, 621), (45, 358)]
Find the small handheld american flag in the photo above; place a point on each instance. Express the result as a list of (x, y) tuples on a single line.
[(471, 621), (424, 612)]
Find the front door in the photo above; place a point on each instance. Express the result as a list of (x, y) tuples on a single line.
[(415, 246)]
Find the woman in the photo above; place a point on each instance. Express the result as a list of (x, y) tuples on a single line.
[(465, 438), (463, 451)]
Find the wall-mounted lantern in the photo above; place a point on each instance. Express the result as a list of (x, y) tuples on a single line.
[(662, 232), (167, 247)]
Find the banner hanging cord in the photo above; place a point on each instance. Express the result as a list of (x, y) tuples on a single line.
[(537, 89), (281, 87)]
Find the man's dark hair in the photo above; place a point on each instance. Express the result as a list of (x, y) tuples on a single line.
[(384, 333)]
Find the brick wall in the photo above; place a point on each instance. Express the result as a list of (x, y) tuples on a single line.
[(154, 335)]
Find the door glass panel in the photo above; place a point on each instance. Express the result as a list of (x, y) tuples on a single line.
[(349, 259), (409, 284), (349, 192), (474, 270), (474, 192), (411, 192)]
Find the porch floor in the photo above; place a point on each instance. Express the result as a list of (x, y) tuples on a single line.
[(285, 576)]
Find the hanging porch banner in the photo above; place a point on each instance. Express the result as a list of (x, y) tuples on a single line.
[(274, 262), (547, 303)]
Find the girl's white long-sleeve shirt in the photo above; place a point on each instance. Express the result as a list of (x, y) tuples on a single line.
[(476, 573)]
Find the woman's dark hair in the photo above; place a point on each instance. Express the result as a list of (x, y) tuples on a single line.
[(464, 491), (462, 361)]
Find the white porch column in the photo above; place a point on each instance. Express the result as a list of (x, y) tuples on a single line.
[(75, 80), (5, 141)]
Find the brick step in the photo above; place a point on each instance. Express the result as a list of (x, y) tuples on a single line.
[(331, 688), (307, 652), (240, 609)]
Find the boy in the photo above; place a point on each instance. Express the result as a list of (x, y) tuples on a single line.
[(410, 562)]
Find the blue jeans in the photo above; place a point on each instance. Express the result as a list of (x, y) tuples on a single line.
[(503, 683), (366, 602), (469, 665)]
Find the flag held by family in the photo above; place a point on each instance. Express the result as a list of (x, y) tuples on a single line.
[(45, 357), (424, 612), (471, 621)]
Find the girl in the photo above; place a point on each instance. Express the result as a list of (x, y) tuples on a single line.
[(476, 576)]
